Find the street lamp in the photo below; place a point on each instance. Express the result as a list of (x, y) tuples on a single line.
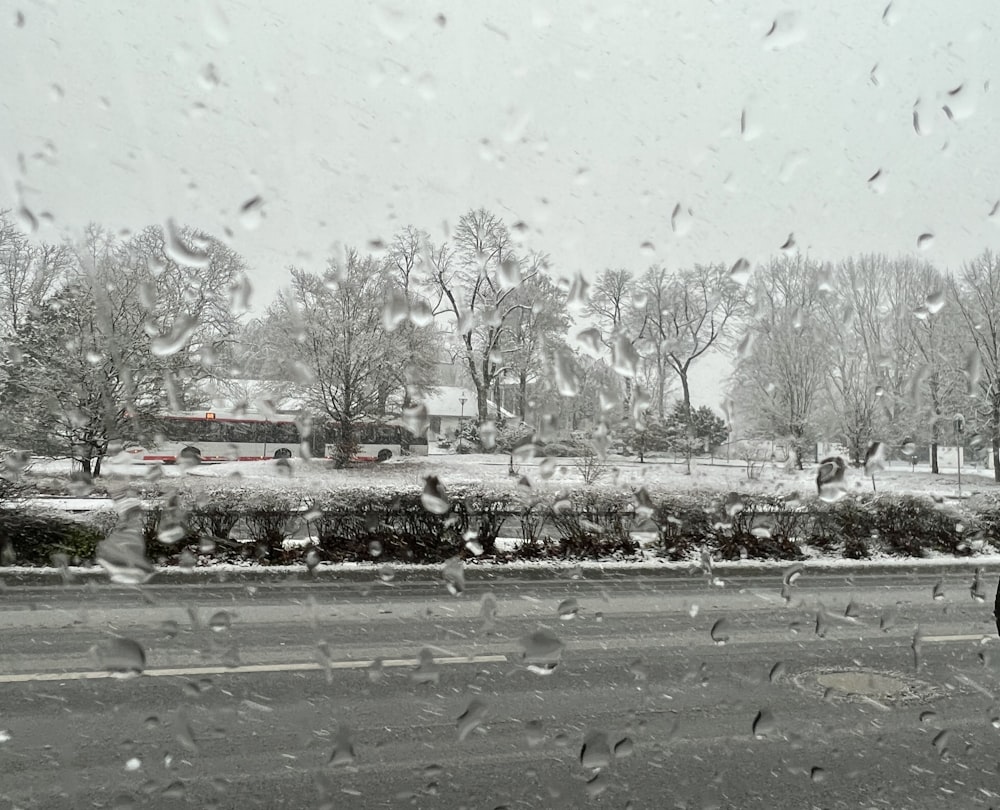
[(461, 401)]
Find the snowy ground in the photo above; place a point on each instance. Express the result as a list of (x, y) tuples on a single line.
[(618, 472)]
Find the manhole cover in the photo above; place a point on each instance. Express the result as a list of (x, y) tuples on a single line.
[(864, 685), (872, 684)]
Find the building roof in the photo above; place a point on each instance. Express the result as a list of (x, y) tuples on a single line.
[(446, 400)]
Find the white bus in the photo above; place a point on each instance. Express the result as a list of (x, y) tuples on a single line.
[(216, 436)]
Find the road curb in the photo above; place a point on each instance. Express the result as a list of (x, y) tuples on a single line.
[(989, 567)]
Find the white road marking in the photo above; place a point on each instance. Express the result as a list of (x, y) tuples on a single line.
[(25, 677), (975, 637)]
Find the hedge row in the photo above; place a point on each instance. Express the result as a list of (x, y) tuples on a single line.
[(418, 526)]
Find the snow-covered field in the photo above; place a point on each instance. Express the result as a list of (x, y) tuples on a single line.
[(495, 470)]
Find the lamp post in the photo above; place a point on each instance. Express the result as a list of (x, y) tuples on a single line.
[(461, 401), (959, 429)]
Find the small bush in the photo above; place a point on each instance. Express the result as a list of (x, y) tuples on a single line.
[(32, 537), (269, 523), (594, 525), (683, 524), (764, 527), (912, 526), (849, 523)]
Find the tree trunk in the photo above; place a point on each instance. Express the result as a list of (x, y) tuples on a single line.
[(934, 457), (97, 466), (686, 391), (995, 427), (522, 396)]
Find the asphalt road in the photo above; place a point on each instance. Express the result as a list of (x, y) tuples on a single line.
[(876, 690)]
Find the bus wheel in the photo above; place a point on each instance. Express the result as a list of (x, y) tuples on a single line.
[(190, 454), (384, 454), (282, 452)]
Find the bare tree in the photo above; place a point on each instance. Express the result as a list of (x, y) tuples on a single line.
[(976, 291), (475, 280), (329, 335), (126, 333), (702, 302), (778, 381)]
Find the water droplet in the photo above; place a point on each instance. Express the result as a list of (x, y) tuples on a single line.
[(177, 248), (133, 764), (221, 621), (596, 751), (786, 30), (471, 718), (375, 548), (789, 247), (343, 748), (875, 460), (385, 572), (177, 338), (877, 182), (720, 631), (535, 733), (568, 609), (5, 735), (890, 15), (252, 213), (454, 576), (925, 241), (624, 356), (764, 724), (123, 555), (426, 671), (777, 671), (681, 220), (567, 382), (509, 274), (624, 748), (830, 479), (434, 498), (733, 504), (121, 656), (638, 670), (590, 342), (792, 573), (817, 774), (740, 271), (542, 651), (978, 591), (961, 102)]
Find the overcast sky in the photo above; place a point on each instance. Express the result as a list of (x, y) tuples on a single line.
[(589, 124)]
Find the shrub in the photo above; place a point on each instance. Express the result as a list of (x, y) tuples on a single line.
[(849, 523), (683, 525), (593, 525), (269, 523), (32, 537), (764, 527), (558, 450), (910, 525)]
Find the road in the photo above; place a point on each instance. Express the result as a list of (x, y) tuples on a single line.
[(673, 691)]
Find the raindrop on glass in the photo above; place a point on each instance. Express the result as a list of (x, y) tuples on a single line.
[(453, 573), (471, 718), (434, 498), (122, 657), (541, 651), (568, 609)]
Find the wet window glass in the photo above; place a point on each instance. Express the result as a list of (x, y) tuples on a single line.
[(524, 405)]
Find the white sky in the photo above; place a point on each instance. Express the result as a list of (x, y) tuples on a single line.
[(353, 119)]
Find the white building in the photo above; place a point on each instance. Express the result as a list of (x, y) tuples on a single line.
[(447, 404)]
